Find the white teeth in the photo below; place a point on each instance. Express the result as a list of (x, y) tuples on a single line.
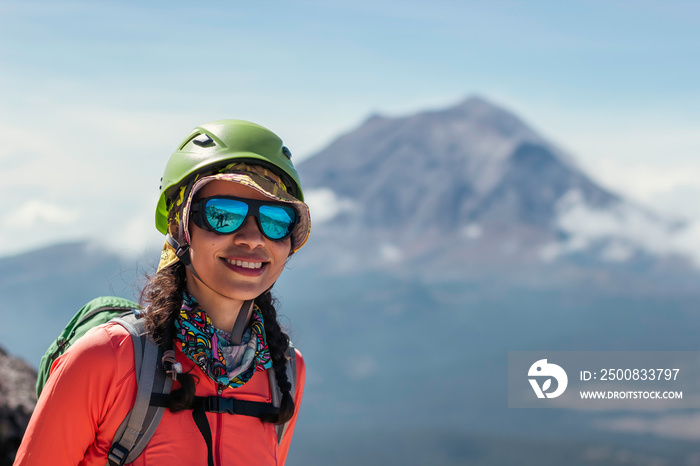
[(247, 265)]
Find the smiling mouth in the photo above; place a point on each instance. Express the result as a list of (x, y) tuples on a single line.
[(244, 264)]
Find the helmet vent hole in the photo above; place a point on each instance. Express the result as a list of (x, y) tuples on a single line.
[(203, 140), (287, 152)]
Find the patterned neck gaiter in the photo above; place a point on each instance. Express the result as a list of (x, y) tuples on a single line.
[(208, 347)]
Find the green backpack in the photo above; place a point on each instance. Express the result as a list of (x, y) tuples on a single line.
[(154, 383), (140, 424), (96, 312)]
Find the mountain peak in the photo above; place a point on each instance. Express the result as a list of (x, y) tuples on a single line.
[(476, 103), (467, 145), (437, 182)]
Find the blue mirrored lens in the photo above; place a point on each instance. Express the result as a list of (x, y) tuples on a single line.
[(226, 215), (276, 220)]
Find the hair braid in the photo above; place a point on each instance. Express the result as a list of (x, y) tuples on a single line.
[(277, 342), (163, 296)]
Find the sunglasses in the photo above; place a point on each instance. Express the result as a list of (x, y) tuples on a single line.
[(226, 214)]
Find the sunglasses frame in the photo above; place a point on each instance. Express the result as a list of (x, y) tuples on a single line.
[(199, 217)]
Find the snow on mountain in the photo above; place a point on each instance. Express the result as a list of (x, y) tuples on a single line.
[(465, 186)]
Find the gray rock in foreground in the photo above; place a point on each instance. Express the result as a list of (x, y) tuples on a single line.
[(17, 401)]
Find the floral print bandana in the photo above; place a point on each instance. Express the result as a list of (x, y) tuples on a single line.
[(204, 344)]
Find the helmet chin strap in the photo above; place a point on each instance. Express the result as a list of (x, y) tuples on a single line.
[(183, 253)]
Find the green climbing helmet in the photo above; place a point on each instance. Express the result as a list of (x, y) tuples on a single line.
[(217, 144)]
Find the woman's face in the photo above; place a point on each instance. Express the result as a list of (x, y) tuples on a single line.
[(239, 266)]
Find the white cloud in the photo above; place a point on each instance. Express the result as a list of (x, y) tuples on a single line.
[(648, 182), (617, 251), (325, 204), (622, 221), (628, 227), (133, 236), (86, 174), (472, 231), (37, 223), (37, 213), (551, 251), (682, 200), (618, 220), (642, 149), (390, 253)]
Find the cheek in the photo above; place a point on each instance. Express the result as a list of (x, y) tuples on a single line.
[(284, 249), (281, 252), (201, 241)]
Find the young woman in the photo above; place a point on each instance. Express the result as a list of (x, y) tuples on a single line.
[(232, 209)]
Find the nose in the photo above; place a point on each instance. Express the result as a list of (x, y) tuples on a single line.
[(249, 234)]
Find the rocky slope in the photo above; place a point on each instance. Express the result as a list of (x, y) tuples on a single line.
[(17, 400)]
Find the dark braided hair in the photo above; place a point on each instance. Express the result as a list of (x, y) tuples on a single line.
[(277, 342), (163, 297)]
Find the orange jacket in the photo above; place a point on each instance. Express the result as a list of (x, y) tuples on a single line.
[(92, 387)]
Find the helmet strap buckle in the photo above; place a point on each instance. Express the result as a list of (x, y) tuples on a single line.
[(181, 251)]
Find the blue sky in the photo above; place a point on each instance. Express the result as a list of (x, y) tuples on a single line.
[(97, 94)]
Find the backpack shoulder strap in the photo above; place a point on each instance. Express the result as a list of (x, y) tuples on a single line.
[(140, 424), (275, 389)]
